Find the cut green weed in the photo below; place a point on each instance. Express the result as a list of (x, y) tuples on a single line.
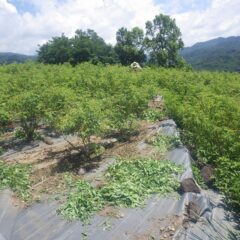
[(152, 115), (164, 142), (128, 184), (131, 182), (82, 202), (15, 177), (106, 225)]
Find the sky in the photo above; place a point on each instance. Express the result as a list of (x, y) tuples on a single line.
[(26, 24)]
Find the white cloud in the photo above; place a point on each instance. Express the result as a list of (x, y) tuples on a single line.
[(220, 19), (7, 7), (22, 32)]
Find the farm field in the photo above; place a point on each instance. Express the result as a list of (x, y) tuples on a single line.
[(95, 102)]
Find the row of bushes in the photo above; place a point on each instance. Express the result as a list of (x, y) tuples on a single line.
[(91, 100)]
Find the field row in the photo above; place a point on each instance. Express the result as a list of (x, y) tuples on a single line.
[(97, 100)]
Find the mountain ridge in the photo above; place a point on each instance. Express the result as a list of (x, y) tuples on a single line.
[(219, 54), (10, 57)]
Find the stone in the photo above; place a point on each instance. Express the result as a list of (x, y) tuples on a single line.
[(81, 171), (207, 174), (108, 143), (47, 140), (189, 185), (192, 212)]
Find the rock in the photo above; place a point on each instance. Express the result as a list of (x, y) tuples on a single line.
[(74, 152), (81, 171), (192, 213), (108, 143), (47, 140), (171, 228), (165, 235), (207, 174), (53, 134), (189, 185), (121, 215)]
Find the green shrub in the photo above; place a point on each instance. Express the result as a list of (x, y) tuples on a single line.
[(88, 99), (227, 177), (29, 110), (198, 177)]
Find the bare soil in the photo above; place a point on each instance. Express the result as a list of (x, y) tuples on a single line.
[(51, 162)]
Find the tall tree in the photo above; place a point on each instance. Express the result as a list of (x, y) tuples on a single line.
[(57, 50), (88, 46), (163, 41), (130, 46), (84, 46)]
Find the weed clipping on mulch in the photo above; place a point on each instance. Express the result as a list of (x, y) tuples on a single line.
[(16, 177), (128, 184)]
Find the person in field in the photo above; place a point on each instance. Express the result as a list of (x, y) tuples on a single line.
[(135, 66)]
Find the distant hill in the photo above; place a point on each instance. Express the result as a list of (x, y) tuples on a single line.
[(7, 57), (218, 54)]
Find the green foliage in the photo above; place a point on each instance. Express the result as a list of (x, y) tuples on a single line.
[(153, 115), (164, 142), (4, 119), (56, 50), (84, 119), (82, 202), (128, 184), (163, 41), (84, 46), (227, 179), (161, 44), (131, 182), (198, 177), (15, 177), (209, 115), (28, 109), (1, 150), (130, 46), (89, 99), (220, 54), (7, 58), (19, 133)]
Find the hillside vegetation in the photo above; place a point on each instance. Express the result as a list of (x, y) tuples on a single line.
[(14, 57), (221, 54), (98, 100)]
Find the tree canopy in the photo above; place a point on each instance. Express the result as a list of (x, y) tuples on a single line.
[(84, 46), (159, 45), (163, 41), (130, 45), (56, 50)]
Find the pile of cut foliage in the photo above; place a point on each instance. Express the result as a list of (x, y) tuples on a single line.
[(15, 177), (129, 183)]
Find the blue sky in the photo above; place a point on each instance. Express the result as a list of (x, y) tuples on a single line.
[(26, 23), (184, 5), (23, 6), (180, 6)]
